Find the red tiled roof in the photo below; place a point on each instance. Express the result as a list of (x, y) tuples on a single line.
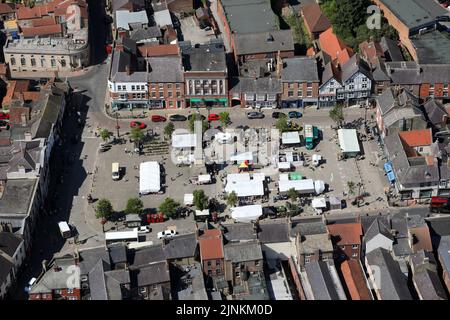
[(421, 239), (42, 31), (211, 246), (6, 8), (159, 50), (371, 50), (315, 20), (417, 138), (44, 21), (355, 280), (346, 233), (25, 13), (334, 47)]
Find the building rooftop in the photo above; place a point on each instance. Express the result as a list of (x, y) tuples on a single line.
[(273, 232), (125, 18), (147, 255), (432, 47), (165, 69), (195, 289), (9, 243), (266, 85), (16, 197), (333, 46), (346, 233), (243, 251), (314, 18), (310, 244), (264, 42), (235, 232), (325, 283), (204, 57), (355, 280), (300, 69), (53, 45), (179, 247), (308, 226), (415, 13), (211, 246), (250, 16), (151, 274)]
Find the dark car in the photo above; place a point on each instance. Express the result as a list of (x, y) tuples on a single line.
[(255, 115), (177, 117), (277, 115), (294, 115), (197, 116)]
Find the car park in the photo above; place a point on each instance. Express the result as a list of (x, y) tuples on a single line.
[(177, 117), (157, 118), (295, 114), (137, 124), (170, 233), (255, 115)]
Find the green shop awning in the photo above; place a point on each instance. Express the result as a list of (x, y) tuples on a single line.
[(210, 100), (223, 100), (195, 100)]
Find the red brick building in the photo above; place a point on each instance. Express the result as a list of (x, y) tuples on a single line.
[(346, 240), (212, 252)]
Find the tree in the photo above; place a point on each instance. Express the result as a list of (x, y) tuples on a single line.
[(169, 207), (169, 129), (351, 187), (232, 199), (224, 118), (104, 209), (137, 134), (200, 199), (134, 205), (337, 114), (105, 134), (281, 124), (292, 194), (292, 209), (191, 123)]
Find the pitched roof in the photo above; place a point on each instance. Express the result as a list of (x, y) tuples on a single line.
[(44, 30), (7, 8), (334, 47), (308, 226), (436, 112), (346, 233), (154, 273), (377, 227), (165, 69), (243, 251), (355, 280), (260, 85), (354, 65), (151, 50), (5, 268), (421, 239), (147, 255), (314, 18), (300, 69), (391, 49), (371, 51), (323, 285), (390, 280), (273, 232), (182, 246), (9, 242), (239, 232), (416, 138), (211, 246), (264, 42)]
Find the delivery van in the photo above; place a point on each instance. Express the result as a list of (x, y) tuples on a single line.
[(115, 171)]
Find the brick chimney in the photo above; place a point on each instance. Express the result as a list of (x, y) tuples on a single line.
[(128, 70)]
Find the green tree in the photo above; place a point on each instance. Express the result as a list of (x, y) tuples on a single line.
[(169, 207), (169, 129), (191, 123), (200, 199), (292, 209), (337, 114), (134, 205), (351, 187), (292, 194), (224, 118), (136, 134), (281, 124), (105, 134), (232, 199), (104, 209)]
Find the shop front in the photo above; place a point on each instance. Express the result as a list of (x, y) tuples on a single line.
[(207, 102)]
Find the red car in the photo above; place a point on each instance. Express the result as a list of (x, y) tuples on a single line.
[(4, 116), (156, 118), (213, 117), (137, 124)]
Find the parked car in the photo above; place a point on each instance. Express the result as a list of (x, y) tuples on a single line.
[(30, 284), (167, 234), (156, 118), (104, 147), (277, 115), (255, 115), (295, 114), (4, 116), (144, 229), (197, 115), (177, 117), (213, 117), (137, 124), (280, 197)]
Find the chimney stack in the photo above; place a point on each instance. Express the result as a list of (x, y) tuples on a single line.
[(128, 70)]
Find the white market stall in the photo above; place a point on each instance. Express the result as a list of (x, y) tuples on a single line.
[(251, 188), (183, 141), (149, 177), (188, 199), (319, 186), (290, 138), (246, 213), (204, 179), (224, 137), (319, 204), (305, 186), (348, 141)]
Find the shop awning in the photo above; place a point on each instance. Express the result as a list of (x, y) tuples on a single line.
[(244, 165), (210, 100), (388, 167), (391, 177), (222, 100), (195, 100)]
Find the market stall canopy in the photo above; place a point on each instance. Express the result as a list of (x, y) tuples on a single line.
[(319, 186), (319, 203), (290, 137), (246, 188), (348, 141), (188, 199), (244, 156), (204, 178), (295, 176), (246, 213), (187, 140)]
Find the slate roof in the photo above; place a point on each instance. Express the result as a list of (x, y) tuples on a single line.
[(354, 65), (379, 72), (118, 253), (90, 257), (243, 251), (264, 42), (391, 281), (182, 246), (391, 50), (205, 57), (435, 111), (165, 69), (439, 226), (273, 232), (239, 232), (300, 69), (50, 114), (17, 196), (151, 274), (147, 255), (120, 61), (9, 242), (5, 268), (321, 281), (142, 34), (432, 47), (308, 226), (377, 227), (329, 73), (426, 278)]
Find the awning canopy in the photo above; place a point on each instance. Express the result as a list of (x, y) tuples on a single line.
[(246, 213), (295, 176), (388, 167), (242, 156), (188, 199), (319, 203), (246, 188), (348, 140), (195, 100), (391, 176), (184, 140), (244, 165), (290, 137)]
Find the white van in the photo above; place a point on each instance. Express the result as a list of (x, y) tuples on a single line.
[(115, 171)]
